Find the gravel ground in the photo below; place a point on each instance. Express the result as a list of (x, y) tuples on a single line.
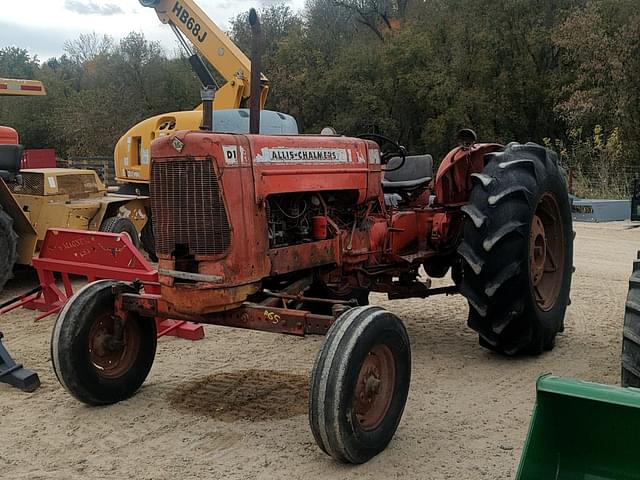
[(233, 405)]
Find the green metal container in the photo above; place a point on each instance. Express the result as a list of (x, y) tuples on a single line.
[(582, 430)]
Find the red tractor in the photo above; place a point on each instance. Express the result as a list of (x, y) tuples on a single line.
[(289, 234)]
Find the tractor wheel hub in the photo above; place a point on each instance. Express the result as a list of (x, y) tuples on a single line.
[(538, 250)]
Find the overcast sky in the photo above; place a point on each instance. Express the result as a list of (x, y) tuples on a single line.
[(42, 26)]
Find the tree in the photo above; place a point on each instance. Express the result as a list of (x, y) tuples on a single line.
[(15, 62), (88, 46)]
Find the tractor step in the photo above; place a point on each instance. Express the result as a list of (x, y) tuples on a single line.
[(14, 374)]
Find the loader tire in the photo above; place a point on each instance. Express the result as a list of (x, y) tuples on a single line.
[(87, 360), (8, 248), (121, 225), (359, 384), (517, 251), (631, 333), (148, 239)]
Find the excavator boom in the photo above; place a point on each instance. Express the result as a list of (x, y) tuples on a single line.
[(207, 38), (193, 26)]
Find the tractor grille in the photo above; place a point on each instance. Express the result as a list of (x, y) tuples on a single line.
[(32, 184), (77, 184), (187, 207)]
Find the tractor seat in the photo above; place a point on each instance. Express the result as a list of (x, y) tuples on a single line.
[(10, 160), (415, 172)]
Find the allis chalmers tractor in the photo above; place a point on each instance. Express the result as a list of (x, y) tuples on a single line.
[(289, 234)]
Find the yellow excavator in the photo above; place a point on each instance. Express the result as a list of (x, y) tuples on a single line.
[(200, 37)]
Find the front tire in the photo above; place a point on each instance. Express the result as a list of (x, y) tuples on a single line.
[(630, 360), (518, 251), (147, 239), (121, 225), (89, 360), (359, 384), (8, 248)]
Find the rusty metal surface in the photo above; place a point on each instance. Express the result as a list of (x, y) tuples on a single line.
[(453, 181), (303, 256), (366, 246), (188, 207), (251, 316), (96, 250), (204, 298), (94, 255)]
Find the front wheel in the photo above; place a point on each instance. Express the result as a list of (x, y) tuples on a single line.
[(359, 384), (96, 357), (517, 251), (8, 247), (121, 225)]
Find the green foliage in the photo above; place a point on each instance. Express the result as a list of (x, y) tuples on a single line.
[(595, 162), (96, 91)]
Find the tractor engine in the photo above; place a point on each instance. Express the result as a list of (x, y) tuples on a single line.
[(295, 218), (232, 210)]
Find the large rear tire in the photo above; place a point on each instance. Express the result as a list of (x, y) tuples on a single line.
[(518, 251), (91, 362), (359, 384), (631, 334), (8, 248)]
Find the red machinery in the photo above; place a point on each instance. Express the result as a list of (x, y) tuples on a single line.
[(289, 234), (93, 255), (33, 157)]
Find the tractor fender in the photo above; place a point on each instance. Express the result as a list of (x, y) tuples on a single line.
[(28, 237), (132, 207)]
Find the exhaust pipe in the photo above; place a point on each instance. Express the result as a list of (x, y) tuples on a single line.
[(207, 94), (256, 72)]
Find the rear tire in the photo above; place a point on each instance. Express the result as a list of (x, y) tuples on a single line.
[(631, 334), (359, 384), (86, 361), (518, 251), (8, 248), (121, 225)]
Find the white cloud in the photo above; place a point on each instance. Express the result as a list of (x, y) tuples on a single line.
[(91, 8), (51, 23)]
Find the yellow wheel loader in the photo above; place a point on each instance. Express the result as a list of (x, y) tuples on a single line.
[(33, 200)]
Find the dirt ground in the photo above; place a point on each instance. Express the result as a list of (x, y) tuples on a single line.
[(233, 405)]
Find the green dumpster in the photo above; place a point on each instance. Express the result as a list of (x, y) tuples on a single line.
[(582, 430)]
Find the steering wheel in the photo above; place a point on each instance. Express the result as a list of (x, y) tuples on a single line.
[(396, 150)]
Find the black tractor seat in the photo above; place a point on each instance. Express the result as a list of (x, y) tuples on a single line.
[(10, 160), (416, 172)]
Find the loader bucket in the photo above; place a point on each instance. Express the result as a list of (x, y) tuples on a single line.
[(582, 430)]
